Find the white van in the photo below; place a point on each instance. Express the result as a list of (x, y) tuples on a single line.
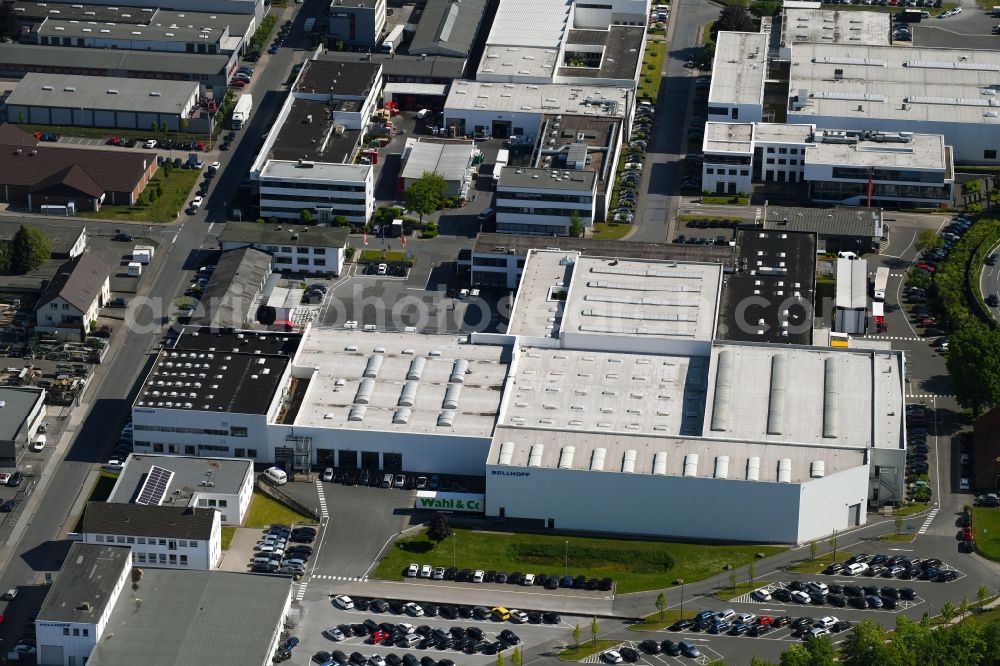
[(856, 569), (410, 640), (276, 475), (817, 589), (39, 443)]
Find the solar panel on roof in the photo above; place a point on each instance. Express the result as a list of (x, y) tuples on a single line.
[(155, 486)]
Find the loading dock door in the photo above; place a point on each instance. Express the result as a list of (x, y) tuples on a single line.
[(369, 460), (392, 462), (501, 129), (326, 457), (347, 459), (854, 514)]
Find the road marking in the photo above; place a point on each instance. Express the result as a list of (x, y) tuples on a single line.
[(927, 521), (301, 593), (905, 550), (350, 579), (322, 498), (893, 337), (929, 396)]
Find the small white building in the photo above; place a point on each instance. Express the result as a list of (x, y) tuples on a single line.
[(293, 248), (541, 201), (22, 411), (450, 159), (160, 535), (73, 298), (223, 484)]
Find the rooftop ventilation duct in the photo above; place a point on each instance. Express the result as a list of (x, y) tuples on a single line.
[(409, 394), (660, 463), (374, 363), (357, 412), (416, 368), (776, 401), (597, 460), (458, 371), (401, 416), (566, 457), (721, 467), (691, 464), (628, 461), (785, 470), (831, 398), (723, 391), (817, 469), (365, 390), (446, 418), (506, 453), (753, 469), (451, 395), (535, 455)]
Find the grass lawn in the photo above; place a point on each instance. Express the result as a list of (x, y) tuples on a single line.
[(176, 189), (727, 593), (105, 132), (820, 563), (653, 621), (986, 524), (634, 565), (986, 617), (892, 536), (652, 68), (586, 649), (228, 532), (99, 493), (725, 199), (609, 231), (265, 511), (910, 509), (395, 256)]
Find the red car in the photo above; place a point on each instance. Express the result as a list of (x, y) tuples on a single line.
[(236, 83), (379, 637), (967, 534), (927, 267), (765, 620)]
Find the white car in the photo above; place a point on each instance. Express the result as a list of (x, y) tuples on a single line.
[(725, 615), (376, 660), (334, 634), (438, 573), (745, 618), (761, 595), (611, 657), (328, 474), (529, 579), (383, 269), (800, 597), (196, 202), (150, 144), (826, 622), (413, 570), (518, 616), (478, 576), (425, 571), (407, 628), (816, 632), (413, 610), (214, 166), (343, 601)]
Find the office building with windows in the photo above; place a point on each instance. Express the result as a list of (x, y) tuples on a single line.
[(294, 248)]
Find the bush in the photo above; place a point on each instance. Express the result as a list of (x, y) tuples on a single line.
[(972, 186), (974, 208)]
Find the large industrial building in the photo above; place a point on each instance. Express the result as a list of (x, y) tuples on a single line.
[(609, 366)]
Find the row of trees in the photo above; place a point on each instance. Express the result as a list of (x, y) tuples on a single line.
[(25, 252)]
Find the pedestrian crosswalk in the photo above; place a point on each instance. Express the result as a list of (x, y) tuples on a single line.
[(928, 396), (322, 498), (895, 338), (301, 592), (349, 579), (928, 520)]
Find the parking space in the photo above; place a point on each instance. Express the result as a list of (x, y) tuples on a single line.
[(785, 590), (970, 29), (631, 652)]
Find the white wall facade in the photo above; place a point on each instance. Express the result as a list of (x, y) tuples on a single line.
[(724, 112), (479, 121), (58, 315), (284, 198), (540, 210), (231, 507), (168, 553)]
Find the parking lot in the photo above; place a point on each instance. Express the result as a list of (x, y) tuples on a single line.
[(971, 29)]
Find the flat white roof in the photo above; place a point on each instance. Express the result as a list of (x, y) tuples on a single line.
[(346, 173), (103, 93), (539, 23), (782, 132), (598, 101), (517, 61), (343, 357), (636, 298), (541, 293), (450, 159), (831, 26), (606, 392), (806, 395), (739, 69), (728, 138), (907, 151), (897, 83), (852, 284), (666, 456)]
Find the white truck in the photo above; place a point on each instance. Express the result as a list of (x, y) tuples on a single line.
[(392, 40), (881, 280), (241, 112)]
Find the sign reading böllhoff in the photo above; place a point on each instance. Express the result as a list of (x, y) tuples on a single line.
[(467, 502)]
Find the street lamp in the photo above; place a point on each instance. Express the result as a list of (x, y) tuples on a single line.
[(454, 555), (566, 560)]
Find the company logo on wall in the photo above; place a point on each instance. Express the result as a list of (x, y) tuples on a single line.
[(450, 501), (504, 472)]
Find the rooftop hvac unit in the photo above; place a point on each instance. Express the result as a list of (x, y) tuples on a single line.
[(566, 457), (535, 455), (660, 463), (458, 371), (817, 469), (722, 467), (597, 460), (785, 470), (365, 390), (628, 461), (506, 453), (691, 464), (753, 469)]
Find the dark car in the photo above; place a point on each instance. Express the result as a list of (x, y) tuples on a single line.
[(758, 630), (781, 621), (682, 624), (946, 576), (321, 657), (15, 480), (339, 657), (9, 505), (393, 659), (889, 603), (606, 584), (123, 237), (378, 605), (501, 577), (874, 601), (739, 629), (781, 594), (448, 612), (833, 569), (852, 590), (552, 582), (509, 637), (650, 646), (907, 593), (629, 655), (534, 617), (551, 618), (836, 600), (566, 581), (465, 612)]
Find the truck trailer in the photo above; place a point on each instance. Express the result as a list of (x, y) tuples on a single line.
[(241, 112)]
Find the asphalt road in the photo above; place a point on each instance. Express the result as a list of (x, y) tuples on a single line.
[(989, 283), (661, 172), (36, 546)]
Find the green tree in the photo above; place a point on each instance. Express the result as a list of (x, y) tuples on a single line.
[(982, 594), (960, 644), (4, 258), (928, 239), (29, 249), (439, 529), (948, 611), (733, 18), (595, 629), (661, 604), (426, 193), (899, 523), (575, 224), (974, 364), (796, 655), (813, 548), (909, 638), (963, 608), (757, 661), (832, 542), (500, 660), (153, 127), (306, 216), (866, 645), (577, 632), (9, 24), (341, 221)]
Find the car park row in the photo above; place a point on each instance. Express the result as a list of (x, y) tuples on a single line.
[(837, 595), (902, 567), (283, 550), (446, 611), (550, 582)]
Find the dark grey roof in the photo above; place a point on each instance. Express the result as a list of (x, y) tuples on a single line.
[(490, 243), (220, 618), (117, 62), (751, 295), (448, 27), (91, 92), (236, 280), (549, 179), (339, 79), (230, 371), (78, 282), (307, 134), (190, 475), (168, 522), (83, 588), (17, 404), (839, 221), (620, 58), (283, 234), (439, 68)]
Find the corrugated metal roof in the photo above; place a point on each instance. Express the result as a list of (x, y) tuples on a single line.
[(448, 27), (451, 160)]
